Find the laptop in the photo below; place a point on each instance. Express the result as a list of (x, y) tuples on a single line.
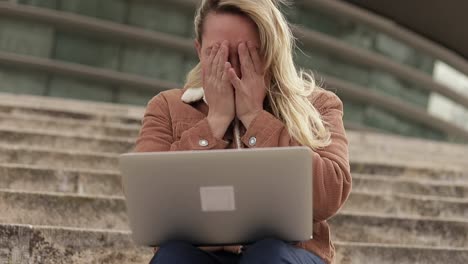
[(219, 197)]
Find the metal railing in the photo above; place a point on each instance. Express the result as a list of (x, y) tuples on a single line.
[(128, 34), (345, 89), (342, 9), (74, 70), (376, 61), (124, 33), (346, 10), (99, 28), (395, 106)]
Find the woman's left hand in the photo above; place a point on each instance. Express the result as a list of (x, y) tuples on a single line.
[(251, 89)]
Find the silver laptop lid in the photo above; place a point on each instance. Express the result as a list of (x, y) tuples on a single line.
[(219, 197)]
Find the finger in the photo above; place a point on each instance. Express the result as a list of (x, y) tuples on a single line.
[(257, 62), (227, 67), (209, 60), (222, 59), (235, 81), (215, 64), (245, 60)]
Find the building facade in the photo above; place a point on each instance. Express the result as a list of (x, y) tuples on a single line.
[(126, 51)]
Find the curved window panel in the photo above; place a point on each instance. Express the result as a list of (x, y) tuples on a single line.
[(26, 38), (362, 36), (366, 77)]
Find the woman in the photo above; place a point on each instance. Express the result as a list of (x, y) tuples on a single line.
[(256, 98)]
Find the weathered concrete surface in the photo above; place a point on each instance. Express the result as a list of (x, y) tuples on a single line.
[(409, 185), (102, 182), (452, 174), (361, 253), (28, 244), (65, 141), (81, 127), (362, 143), (21, 244), (385, 143), (408, 159), (73, 115), (373, 228), (63, 210), (58, 166), (47, 157), (50, 157), (402, 205), (109, 212), (42, 179), (75, 109)]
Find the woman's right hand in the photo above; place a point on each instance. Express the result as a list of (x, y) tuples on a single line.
[(219, 92)]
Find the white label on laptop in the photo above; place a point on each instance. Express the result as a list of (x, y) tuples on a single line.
[(217, 198)]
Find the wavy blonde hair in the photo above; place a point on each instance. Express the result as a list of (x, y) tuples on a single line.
[(289, 89)]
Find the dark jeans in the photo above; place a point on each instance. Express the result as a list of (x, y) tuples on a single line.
[(268, 251)]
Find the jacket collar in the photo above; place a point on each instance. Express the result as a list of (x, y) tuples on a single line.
[(193, 94)]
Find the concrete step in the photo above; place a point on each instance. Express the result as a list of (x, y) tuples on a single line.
[(76, 159), (109, 212), (408, 185), (65, 141), (92, 142), (70, 140), (404, 205), (395, 157), (364, 143), (37, 244), (70, 108), (382, 143), (388, 149), (45, 179), (55, 176), (21, 122), (95, 212), (408, 231), (44, 244), (64, 113), (453, 174), (358, 253), (58, 159), (101, 182), (77, 183)]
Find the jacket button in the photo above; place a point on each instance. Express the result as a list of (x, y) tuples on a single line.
[(252, 141), (203, 142)]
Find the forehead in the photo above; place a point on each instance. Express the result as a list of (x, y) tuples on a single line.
[(231, 27)]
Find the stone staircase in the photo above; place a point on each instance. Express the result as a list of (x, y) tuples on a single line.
[(61, 200)]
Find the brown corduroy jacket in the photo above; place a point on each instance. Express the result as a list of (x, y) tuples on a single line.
[(169, 124)]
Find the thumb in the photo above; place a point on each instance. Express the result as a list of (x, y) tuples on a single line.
[(235, 81)]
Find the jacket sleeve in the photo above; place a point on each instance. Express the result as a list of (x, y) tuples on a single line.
[(156, 132), (331, 170)]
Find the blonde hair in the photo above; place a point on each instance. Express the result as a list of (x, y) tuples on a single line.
[(289, 89)]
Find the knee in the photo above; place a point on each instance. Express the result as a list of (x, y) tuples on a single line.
[(175, 245), (266, 251), (173, 250)]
